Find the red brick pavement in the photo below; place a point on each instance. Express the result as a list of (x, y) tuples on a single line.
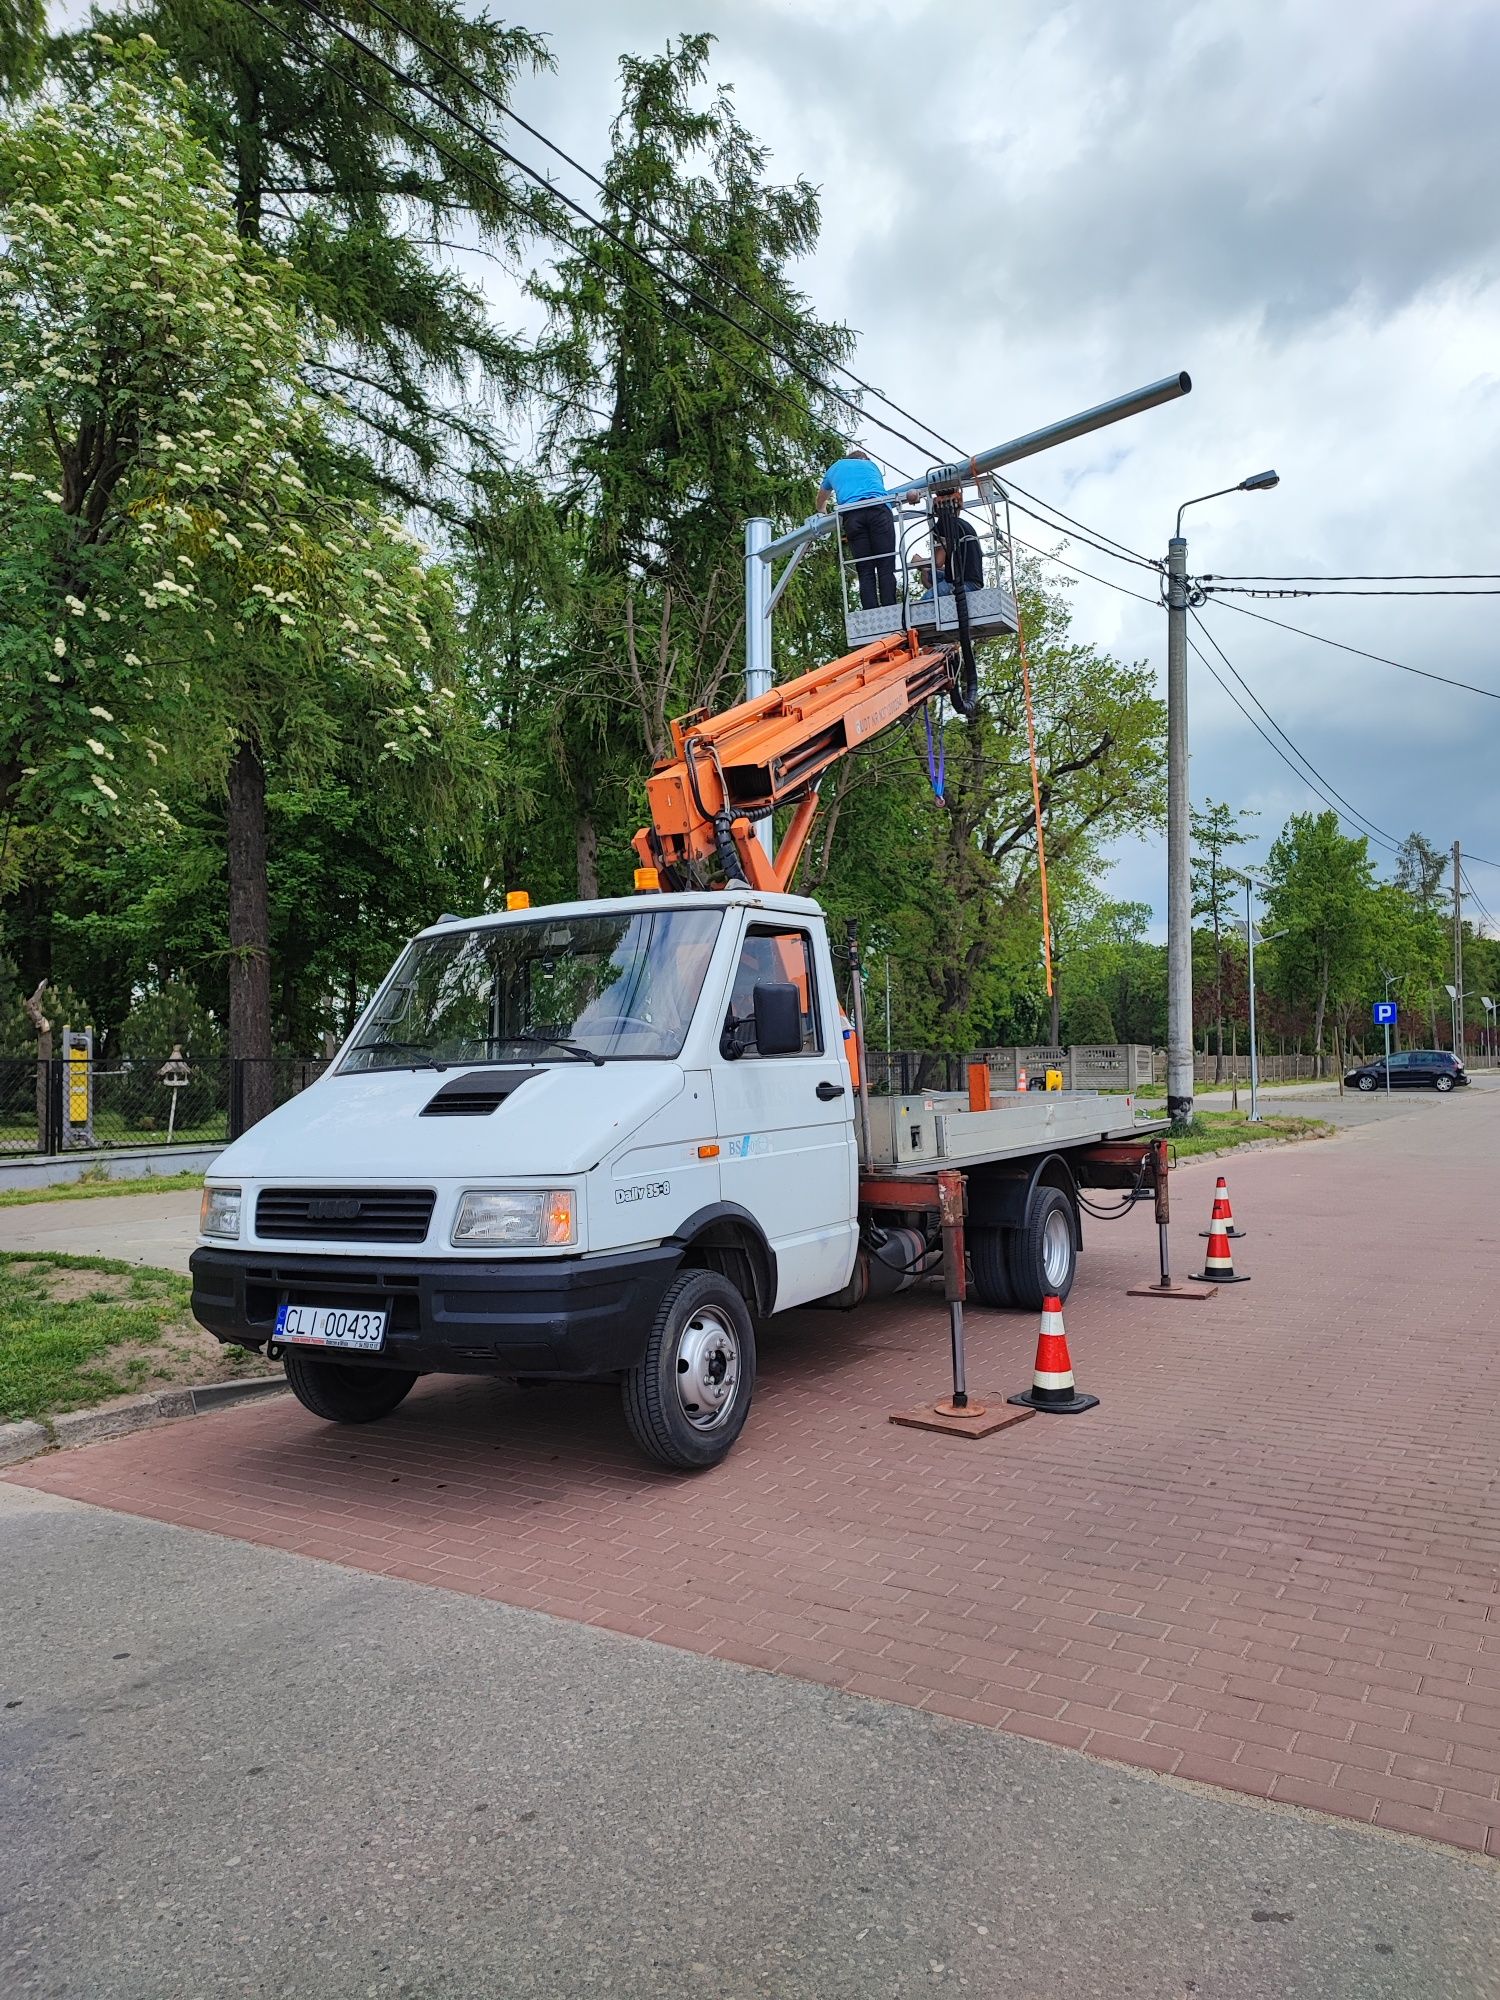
[(1269, 1561)]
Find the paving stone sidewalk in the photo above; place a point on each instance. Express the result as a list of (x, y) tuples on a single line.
[(1269, 1561)]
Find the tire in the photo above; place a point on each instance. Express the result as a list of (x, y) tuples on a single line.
[(1042, 1255), (1365, 1083), (1442, 1082), (345, 1394), (676, 1404), (988, 1266)]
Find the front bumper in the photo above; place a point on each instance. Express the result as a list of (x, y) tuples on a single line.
[(570, 1317)]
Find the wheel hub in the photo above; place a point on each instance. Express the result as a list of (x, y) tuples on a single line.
[(1057, 1248), (708, 1369)]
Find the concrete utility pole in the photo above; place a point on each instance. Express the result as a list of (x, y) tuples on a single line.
[(1179, 853), (1458, 953), (1179, 856)]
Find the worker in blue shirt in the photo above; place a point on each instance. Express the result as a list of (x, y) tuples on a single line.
[(869, 532)]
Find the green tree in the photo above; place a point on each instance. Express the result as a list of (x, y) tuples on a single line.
[(669, 428), (1320, 890), (179, 585), (365, 173), (1216, 832), (22, 32), (1089, 1021)]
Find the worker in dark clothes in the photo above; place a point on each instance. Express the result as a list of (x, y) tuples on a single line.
[(965, 563), (869, 531)]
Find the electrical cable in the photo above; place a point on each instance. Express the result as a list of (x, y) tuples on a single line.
[(590, 220), (1360, 576), (595, 223), (1207, 662), (1247, 590), (680, 243), (1381, 659), (650, 221), (1379, 832)]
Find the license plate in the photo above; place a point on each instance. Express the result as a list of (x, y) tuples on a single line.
[(330, 1326)]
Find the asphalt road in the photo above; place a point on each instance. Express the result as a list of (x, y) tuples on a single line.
[(226, 1770), (1349, 1107)]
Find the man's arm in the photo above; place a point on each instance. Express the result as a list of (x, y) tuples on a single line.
[(825, 499)]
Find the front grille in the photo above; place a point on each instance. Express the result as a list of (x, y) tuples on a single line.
[(345, 1215)]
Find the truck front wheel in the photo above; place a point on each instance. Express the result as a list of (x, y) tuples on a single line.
[(687, 1399), (343, 1394), (1042, 1254)]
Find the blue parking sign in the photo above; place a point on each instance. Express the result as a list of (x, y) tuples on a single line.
[(1385, 1013)]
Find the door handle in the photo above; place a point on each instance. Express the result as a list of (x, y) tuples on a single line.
[(829, 1091)]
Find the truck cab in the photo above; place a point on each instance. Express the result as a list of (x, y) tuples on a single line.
[(583, 1141)]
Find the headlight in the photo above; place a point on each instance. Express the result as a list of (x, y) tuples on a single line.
[(219, 1214), (516, 1218)]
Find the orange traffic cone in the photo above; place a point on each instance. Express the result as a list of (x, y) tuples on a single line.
[(1218, 1265), (1052, 1386), (1223, 1213)]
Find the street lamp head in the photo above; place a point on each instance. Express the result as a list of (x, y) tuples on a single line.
[(1260, 482)]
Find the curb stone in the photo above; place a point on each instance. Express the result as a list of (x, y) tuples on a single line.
[(80, 1427), (18, 1441)]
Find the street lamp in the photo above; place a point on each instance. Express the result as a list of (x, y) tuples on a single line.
[(1179, 860), (1489, 1020)]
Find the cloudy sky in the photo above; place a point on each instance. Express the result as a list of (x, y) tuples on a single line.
[(1298, 204)]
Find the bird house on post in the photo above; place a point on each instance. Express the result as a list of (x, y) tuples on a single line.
[(176, 1074)]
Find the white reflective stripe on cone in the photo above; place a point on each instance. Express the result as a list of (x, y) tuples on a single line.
[(1040, 1381)]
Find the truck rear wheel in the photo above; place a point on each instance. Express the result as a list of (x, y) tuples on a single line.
[(345, 1394), (990, 1271), (1043, 1256), (687, 1399)]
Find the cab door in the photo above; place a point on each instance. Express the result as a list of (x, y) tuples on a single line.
[(786, 1122)]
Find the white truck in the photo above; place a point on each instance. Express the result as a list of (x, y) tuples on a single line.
[(596, 1141)]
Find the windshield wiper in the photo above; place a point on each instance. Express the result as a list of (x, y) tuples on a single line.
[(426, 1062), (574, 1049)]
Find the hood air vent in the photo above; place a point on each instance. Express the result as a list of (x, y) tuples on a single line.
[(476, 1094)]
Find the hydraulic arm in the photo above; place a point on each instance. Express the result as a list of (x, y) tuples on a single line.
[(729, 771)]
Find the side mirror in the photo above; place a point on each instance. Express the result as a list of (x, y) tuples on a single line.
[(778, 1021)]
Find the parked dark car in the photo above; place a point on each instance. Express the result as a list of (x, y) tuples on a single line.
[(1411, 1069)]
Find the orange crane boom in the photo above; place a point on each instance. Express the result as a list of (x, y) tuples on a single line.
[(728, 771)]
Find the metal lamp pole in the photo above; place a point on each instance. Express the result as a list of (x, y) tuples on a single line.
[(1389, 978), (1250, 953), (1179, 857)]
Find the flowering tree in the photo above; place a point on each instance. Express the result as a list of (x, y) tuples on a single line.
[(184, 575)]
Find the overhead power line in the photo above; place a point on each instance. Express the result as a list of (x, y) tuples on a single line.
[(1423, 673), (1265, 590), (590, 221), (595, 223), (643, 215), (719, 277), (1359, 576), (1255, 725), (1366, 824)]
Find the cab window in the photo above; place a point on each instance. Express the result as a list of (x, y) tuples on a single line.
[(773, 956)]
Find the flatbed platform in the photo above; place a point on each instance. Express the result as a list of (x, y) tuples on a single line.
[(914, 1135)]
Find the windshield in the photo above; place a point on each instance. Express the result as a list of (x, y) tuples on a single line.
[(550, 990)]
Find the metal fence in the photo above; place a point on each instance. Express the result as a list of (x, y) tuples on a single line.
[(72, 1104)]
